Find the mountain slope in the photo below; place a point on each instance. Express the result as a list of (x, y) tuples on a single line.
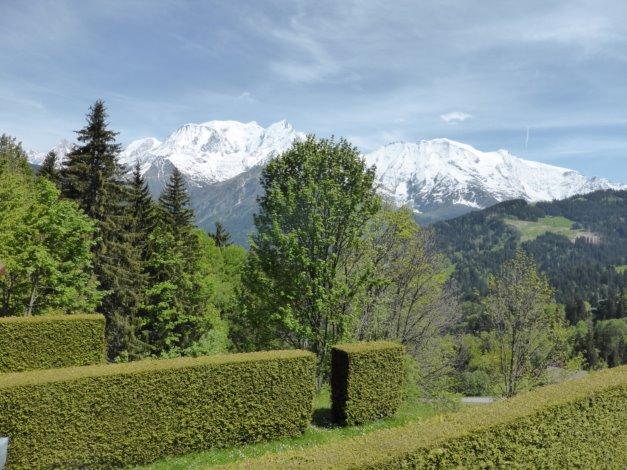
[(579, 242)]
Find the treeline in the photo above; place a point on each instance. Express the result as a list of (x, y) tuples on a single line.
[(584, 273), (579, 270), (83, 235)]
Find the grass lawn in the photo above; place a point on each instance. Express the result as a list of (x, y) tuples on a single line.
[(621, 269), (532, 230), (320, 432)]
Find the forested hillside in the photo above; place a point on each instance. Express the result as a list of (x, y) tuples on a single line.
[(580, 243)]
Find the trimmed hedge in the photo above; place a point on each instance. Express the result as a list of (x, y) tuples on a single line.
[(116, 415), (45, 342), (575, 424), (366, 381)]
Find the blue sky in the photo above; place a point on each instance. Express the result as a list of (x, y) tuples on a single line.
[(544, 79)]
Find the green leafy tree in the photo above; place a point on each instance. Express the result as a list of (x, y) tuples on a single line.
[(220, 236), (49, 168), (526, 324), (12, 156), (94, 178), (45, 244), (317, 199), (406, 297)]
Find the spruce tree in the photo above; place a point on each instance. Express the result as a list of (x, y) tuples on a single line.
[(221, 237), (176, 312), (142, 210), (175, 204), (49, 167), (93, 177)]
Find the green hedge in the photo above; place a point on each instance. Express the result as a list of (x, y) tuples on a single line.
[(366, 381), (575, 424), (122, 414), (44, 342)]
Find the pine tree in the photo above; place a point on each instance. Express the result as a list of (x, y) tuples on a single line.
[(176, 312), (175, 205), (221, 237), (142, 210), (93, 177), (49, 167)]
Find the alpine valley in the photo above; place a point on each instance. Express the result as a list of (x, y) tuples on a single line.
[(439, 179)]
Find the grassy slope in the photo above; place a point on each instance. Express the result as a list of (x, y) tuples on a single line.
[(532, 230), (322, 431)]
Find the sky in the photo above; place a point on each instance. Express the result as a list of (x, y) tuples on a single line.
[(544, 79)]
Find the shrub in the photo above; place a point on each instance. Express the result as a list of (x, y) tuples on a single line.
[(575, 424), (44, 342), (366, 381), (116, 415)]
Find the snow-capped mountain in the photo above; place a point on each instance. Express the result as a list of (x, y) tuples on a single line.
[(438, 178), (442, 175), (61, 149), (212, 151)]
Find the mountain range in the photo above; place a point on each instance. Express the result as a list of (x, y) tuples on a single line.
[(438, 179)]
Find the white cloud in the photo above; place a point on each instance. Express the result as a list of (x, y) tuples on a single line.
[(455, 116)]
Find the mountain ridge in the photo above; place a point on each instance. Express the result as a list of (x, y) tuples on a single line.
[(437, 178)]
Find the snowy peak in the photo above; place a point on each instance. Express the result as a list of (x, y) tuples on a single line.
[(214, 151), (433, 173), (62, 148)]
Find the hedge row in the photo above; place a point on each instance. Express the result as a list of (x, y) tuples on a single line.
[(366, 381), (576, 424), (45, 342), (122, 414)]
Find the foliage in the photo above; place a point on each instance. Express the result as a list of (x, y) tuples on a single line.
[(12, 156), (568, 425), (297, 287), (93, 177), (221, 237), (407, 297), (526, 327), (48, 341), (177, 311), (366, 381), (45, 246), (579, 269), (49, 168), (116, 415), (610, 338)]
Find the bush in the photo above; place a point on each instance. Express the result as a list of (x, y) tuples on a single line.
[(575, 424), (45, 342), (366, 381), (475, 383), (116, 415)]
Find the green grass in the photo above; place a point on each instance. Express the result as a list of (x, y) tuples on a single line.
[(531, 230), (321, 431), (621, 268)]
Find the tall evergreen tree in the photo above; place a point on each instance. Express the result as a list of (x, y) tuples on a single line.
[(176, 312), (143, 210), (49, 168), (221, 237), (93, 177), (175, 204)]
